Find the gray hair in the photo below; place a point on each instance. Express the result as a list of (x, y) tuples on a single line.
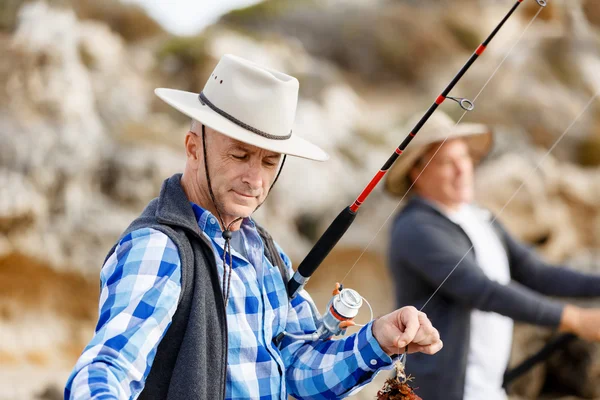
[(195, 126)]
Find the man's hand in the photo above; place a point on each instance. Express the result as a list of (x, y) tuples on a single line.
[(583, 322), (405, 326)]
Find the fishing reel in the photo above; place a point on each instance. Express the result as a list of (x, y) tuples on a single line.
[(340, 313)]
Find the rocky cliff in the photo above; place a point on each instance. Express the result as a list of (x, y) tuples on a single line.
[(84, 146)]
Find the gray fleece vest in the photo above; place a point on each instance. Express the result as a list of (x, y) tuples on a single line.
[(191, 359)]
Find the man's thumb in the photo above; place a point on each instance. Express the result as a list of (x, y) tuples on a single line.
[(401, 342)]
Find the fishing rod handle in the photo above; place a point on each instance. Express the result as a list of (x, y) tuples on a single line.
[(320, 250)]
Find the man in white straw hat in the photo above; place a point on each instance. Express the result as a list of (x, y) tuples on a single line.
[(193, 294), (499, 282)]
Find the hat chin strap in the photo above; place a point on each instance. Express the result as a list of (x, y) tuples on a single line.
[(227, 229)]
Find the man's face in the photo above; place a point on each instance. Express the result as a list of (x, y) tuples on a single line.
[(448, 179), (240, 174)]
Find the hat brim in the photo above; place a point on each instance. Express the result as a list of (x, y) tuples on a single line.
[(189, 104), (478, 137)]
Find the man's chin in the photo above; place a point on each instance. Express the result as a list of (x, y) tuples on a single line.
[(241, 211), (466, 198)]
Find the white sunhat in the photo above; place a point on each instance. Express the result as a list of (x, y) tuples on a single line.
[(249, 103)]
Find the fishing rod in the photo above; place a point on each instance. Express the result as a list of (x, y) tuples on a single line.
[(342, 222), (542, 355), (345, 303)]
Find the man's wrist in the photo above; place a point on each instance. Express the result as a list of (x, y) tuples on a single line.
[(375, 332), (570, 319), (373, 355)]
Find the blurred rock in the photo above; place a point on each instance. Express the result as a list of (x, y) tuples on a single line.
[(23, 207), (527, 341), (84, 145), (51, 393), (574, 370), (543, 202)]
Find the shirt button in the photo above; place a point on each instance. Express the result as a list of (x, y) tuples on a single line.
[(212, 221), (373, 362)]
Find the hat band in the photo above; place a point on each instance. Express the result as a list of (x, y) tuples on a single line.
[(236, 121)]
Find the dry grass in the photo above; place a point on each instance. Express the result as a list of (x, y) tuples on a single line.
[(7, 358), (264, 10), (468, 38), (38, 358), (8, 14), (30, 290), (33, 285), (130, 21), (186, 62)]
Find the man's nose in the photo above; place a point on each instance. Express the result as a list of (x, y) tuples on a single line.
[(253, 176), (462, 166), (458, 168)]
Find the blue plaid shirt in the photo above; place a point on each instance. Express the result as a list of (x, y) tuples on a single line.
[(141, 284)]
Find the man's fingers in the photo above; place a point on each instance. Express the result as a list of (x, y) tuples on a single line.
[(427, 334), (409, 317), (428, 349)]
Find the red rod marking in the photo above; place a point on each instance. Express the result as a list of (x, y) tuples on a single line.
[(480, 50), (326, 243), (365, 193), (440, 99), (398, 151)]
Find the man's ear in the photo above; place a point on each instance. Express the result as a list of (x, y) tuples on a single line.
[(192, 149), (414, 172)]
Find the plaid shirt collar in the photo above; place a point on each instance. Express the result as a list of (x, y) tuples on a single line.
[(209, 224)]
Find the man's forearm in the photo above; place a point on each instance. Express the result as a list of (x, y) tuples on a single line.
[(333, 368), (528, 268), (521, 304), (560, 281)]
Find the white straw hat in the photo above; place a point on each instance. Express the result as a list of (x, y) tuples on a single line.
[(249, 103)]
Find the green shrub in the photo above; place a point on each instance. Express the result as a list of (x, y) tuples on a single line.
[(130, 21), (190, 51), (467, 37), (8, 14), (267, 9), (185, 61)]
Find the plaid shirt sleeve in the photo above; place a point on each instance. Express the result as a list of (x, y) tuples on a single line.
[(327, 369), (140, 287)]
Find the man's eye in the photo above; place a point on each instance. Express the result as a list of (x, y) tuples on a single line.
[(239, 157)]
